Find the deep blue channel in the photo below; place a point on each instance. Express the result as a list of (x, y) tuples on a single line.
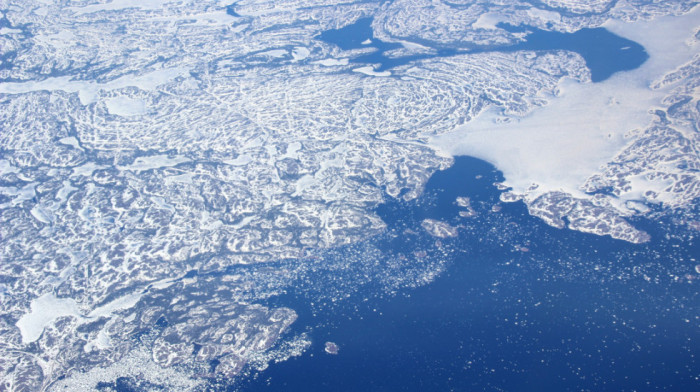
[(605, 53), (521, 306)]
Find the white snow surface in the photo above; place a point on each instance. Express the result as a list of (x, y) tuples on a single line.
[(88, 90), (44, 310), (369, 71), (332, 62), (126, 106), (557, 147)]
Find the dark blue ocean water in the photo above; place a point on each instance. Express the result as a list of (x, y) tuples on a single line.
[(604, 52), (517, 306)]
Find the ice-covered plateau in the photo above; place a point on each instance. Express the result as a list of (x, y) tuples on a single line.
[(146, 146)]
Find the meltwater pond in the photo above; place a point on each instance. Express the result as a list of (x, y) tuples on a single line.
[(509, 304)]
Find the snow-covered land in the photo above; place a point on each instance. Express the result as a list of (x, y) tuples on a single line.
[(146, 144)]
